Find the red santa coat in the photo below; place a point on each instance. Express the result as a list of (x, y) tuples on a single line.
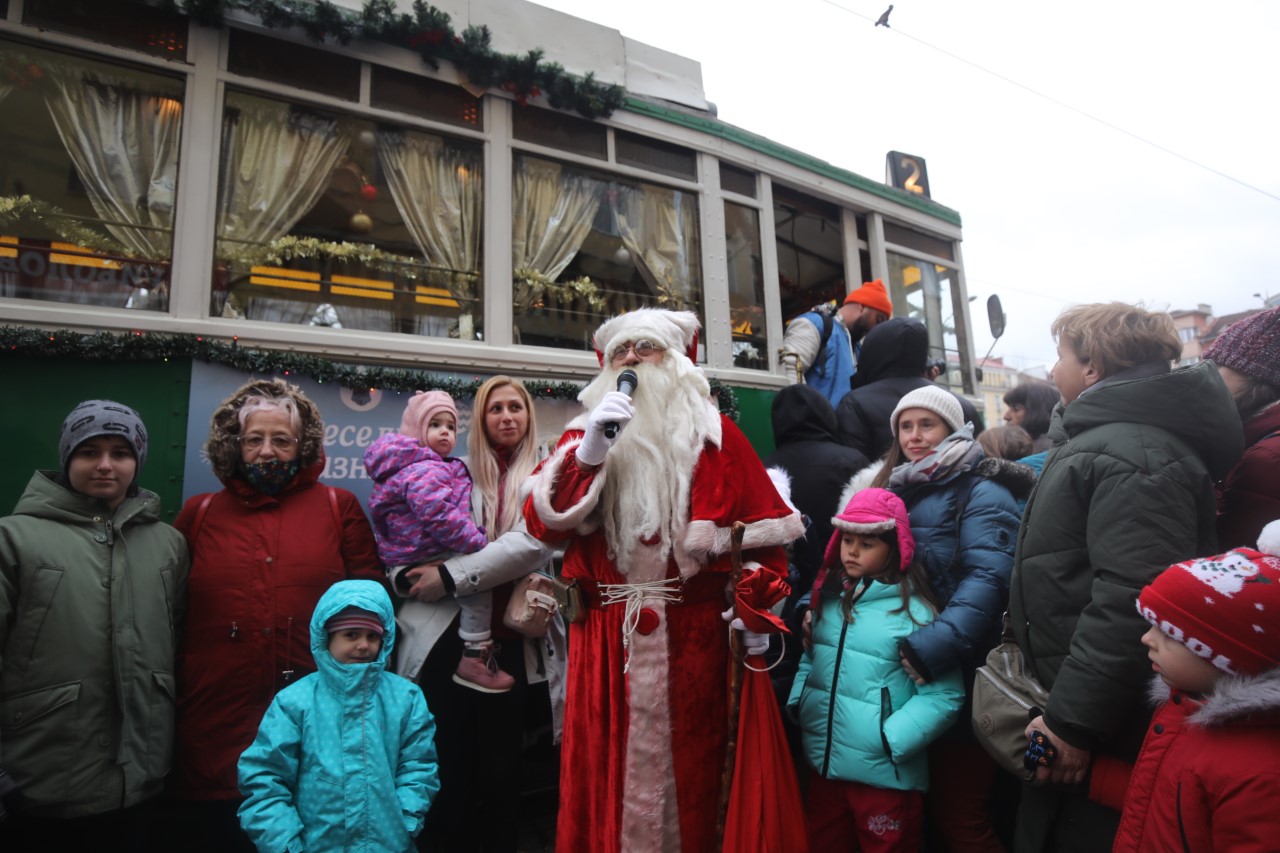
[(644, 749), (259, 564), (1208, 776)]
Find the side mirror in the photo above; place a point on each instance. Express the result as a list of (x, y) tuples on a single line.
[(995, 316)]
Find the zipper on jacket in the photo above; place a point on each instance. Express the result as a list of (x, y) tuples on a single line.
[(886, 709), (831, 699), (1182, 827), (110, 531)]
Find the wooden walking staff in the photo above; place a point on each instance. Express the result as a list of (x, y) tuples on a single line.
[(735, 682)]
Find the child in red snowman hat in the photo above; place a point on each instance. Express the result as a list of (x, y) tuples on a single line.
[(1208, 776)]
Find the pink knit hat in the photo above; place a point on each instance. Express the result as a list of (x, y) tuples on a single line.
[(357, 618), (873, 511), (1226, 609), (422, 405)]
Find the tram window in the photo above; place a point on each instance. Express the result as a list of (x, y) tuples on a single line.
[(929, 294), (908, 239), (587, 245), (739, 181), (422, 96), (256, 55), (746, 286), (86, 219), (810, 251), (127, 23), (329, 220), (557, 130), (655, 156)]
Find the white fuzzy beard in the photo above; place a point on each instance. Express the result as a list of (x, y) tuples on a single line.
[(650, 469)]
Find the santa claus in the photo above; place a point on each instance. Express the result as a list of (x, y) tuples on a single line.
[(642, 491)]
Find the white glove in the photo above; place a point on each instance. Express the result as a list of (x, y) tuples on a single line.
[(756, 644), (614, 408)]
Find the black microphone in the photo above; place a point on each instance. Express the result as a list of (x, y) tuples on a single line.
[(627, 382)]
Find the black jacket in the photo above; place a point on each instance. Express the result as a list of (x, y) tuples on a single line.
[(804, 430), (891, 366)]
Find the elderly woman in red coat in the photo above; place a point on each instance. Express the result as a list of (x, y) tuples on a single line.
[(263, 551)]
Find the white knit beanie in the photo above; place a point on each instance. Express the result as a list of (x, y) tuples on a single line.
[(936, 399)]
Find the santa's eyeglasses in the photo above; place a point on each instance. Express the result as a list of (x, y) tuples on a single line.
[(642, 348)]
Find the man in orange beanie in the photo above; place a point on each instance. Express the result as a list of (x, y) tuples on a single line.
[(823, 344)]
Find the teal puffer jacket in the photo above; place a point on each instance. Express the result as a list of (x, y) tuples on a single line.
[(345, 759), (90, 601), (861, 717)]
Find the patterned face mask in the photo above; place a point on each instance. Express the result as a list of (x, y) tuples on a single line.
[(270, 476)]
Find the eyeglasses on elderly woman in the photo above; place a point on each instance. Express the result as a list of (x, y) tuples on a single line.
[(279, 442)]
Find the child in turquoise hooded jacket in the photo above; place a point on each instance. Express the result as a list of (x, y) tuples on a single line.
[(345, 759)]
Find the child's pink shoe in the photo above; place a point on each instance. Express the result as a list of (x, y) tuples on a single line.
[(479, 670)]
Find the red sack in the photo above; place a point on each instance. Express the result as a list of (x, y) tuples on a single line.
[(765, 812)]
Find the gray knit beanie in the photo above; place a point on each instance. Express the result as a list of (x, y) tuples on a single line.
[(93, 418)]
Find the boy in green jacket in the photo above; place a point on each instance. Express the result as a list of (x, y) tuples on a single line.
[(92, 589)]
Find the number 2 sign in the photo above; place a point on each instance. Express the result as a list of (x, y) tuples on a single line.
[(907, 172)]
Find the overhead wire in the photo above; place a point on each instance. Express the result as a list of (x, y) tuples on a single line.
[(1061, 103)]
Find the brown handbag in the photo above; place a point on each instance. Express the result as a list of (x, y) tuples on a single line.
[(532, 606)]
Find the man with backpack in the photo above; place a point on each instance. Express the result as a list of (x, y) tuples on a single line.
[(822, 344)]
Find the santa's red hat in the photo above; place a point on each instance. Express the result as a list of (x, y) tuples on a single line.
[(672, 330), (1226, 608)]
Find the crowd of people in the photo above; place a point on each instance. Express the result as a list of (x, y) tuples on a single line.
[(277, 673)]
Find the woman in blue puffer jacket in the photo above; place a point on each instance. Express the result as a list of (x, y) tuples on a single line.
[(345, 759), (965, 519)]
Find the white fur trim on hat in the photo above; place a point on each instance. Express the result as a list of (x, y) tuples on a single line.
[(936, 399), (1269, 539), (673, 330), (871, 527)]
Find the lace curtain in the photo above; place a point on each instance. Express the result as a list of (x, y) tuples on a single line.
[(658, 227), (439, 192), (123, 143), (552, 216), (276, 163)]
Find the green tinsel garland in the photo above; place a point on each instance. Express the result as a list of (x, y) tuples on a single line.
[(147, 346), (427, 31)]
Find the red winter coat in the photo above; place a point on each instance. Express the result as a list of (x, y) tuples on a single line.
[(259, 564), (1249, 496), (1208, 776), (645, 718)]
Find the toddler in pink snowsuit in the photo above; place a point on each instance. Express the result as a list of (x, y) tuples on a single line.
[(421, 508)]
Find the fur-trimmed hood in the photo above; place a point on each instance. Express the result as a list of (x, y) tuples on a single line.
[(1234, 698), (222, 446), (1018, 477)]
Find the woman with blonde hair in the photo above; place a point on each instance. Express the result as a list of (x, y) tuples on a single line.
[(480, 735)]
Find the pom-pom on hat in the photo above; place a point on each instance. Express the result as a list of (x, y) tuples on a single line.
[(673, 330), (354, 617), (873, 295), (1225, 609), (936, 399), (872, 512), (421, 406), (1250, 346), (93, 418)]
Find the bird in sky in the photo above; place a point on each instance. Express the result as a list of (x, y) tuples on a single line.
[(884, 19)]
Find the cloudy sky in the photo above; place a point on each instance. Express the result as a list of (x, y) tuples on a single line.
[(1058, 208)]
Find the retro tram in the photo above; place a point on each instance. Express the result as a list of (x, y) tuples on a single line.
[(427, 194)]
